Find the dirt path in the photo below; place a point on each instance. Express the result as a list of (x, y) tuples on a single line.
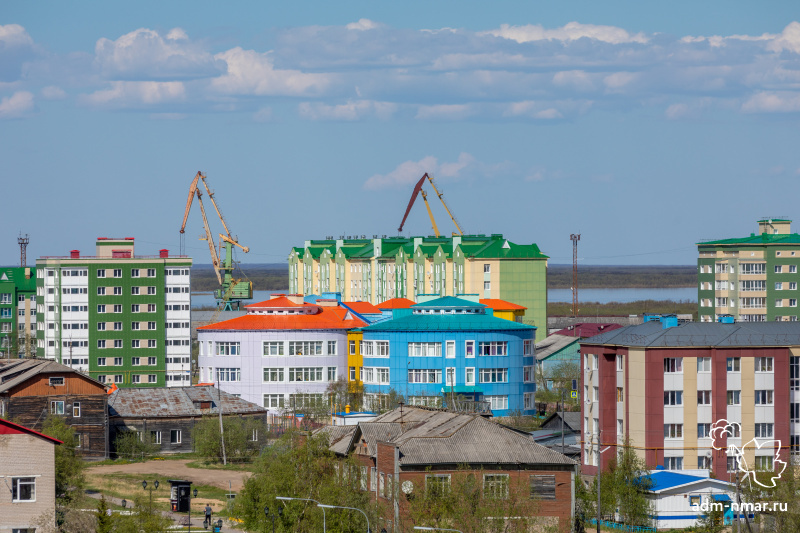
[(177, 469)]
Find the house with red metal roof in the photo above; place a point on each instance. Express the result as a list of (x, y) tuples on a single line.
[(29, 494), (503, 309), (282, 354)]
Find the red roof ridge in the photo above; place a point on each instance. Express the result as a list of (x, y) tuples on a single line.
[(395, 303), (502, 305), (10, 428)]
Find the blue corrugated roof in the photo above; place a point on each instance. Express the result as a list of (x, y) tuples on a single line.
[(666, 479), (721, 498), (448, 322), (449, 302)]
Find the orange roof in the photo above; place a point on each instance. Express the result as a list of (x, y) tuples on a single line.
[(326, 318), (501, 305), (363, 307), (281, 301), (396, 303)]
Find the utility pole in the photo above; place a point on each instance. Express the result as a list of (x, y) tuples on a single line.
[(221, 431), (23, 244), (575, 237)]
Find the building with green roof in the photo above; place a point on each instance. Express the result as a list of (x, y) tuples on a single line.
[(378, 269), (750, 279)]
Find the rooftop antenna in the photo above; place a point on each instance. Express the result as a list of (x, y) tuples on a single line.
[(23, 244), (575, 237)]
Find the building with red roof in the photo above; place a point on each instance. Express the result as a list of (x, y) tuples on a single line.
[(396, 303), (282, 354), (503, 309)]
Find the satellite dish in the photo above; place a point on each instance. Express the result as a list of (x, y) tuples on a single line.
[(407, 487)]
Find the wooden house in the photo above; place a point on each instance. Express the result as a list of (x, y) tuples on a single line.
[(33, 389)]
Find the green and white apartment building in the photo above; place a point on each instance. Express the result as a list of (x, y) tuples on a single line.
[(378, 269), (17, 312), (751, 279), (121, 318)]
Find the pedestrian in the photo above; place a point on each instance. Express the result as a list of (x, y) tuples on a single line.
[(208, 516)]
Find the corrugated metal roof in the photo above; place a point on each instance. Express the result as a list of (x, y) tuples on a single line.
[(652, 334), (325, 318), (339, 437), (501, 305), (449, 302), (432, 436), (448, 322), (166, 402), (552, 344), (16, 371)]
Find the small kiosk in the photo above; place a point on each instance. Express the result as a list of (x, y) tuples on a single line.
[(180, 496)]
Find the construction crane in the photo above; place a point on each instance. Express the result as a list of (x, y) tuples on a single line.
[(417, 190), (232, 290)]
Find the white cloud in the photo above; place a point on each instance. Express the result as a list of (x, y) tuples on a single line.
[(136, 94), (618, 80), (263, 115), (144, 55), (569, 32), (12, 35), (250, 72), (789, 39), (676, 111), (16, 105), (546, 110), (576, 79), (352, 110), (363, 24), (772, 102), (52, 92), (444, 112), (410, 172)]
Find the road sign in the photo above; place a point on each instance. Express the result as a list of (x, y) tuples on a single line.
[(574, 394), (574, 385)]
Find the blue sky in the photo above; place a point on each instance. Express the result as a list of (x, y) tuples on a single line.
[(644, 126)]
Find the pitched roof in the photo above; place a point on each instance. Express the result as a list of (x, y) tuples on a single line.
[(652, 334), (501, 305), (339, 437), (363, 307), (757, 239), (505, 249), (165, 402), (431, 436), (587, 329), (572, 420), (281, 301), (448, 302), (448, 322), (326, 318), (10, 428), (395, 303), (553, 344), (16, 371)]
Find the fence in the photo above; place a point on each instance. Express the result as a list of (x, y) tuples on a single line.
[(622, 527)]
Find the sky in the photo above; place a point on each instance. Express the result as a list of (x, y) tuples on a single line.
[(645, 127)]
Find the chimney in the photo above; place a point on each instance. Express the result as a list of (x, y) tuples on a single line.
[(75, 254), (295, 298), (163, 253)]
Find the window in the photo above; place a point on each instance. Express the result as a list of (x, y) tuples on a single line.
[(101, 291), (495, 486), (704, 364), (151, 343), (117, 291), (763, 364), (543, 487), (76, 409), (703, 431), (229, 374), (425, 376), (101, 326), (672, 365), (704, 397), (494, 375), (228, 348), (273, 400), (734, 364), (331, 347), (764, 462), (151, 326), (527, 374), (424, 349), (56, 381), (23, 489), (733, 464), (56, 407), (151, 361), (136, 361), (118, 361), (305, 374), (135, 343), (352, 373), (381, 348), (792, 269), (792, 302), (497, 402), (673, 463), (722, 302), (135, 308), (673, 431), (764, 397), (437, 484), (469, 349), (619, 363), (750, 269), (117, 272), (764, 431), (595, 394), (734, 397), (134, 290), (118, 343), (155, 437), (135, 274), (469, 376), (151, 290), (101, 361), (273, 348), (753, 285), (101, 308), (492, 348), (487, 268), (151, 272), (151, 308), (673, 397), (778, 269), (101, 272), (450, 351), (305, 347), (752, 303), (620, 394), (352, 347), (331, 373), (174, 436)]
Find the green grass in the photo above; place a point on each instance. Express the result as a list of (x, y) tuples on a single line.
[(211, 465), (589, 309)]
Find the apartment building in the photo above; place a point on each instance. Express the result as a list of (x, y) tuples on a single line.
[(121, 317), (752, 279), (379, 269), (663, 388), (17, 312)]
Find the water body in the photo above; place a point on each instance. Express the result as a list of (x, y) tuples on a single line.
[(603, 296)]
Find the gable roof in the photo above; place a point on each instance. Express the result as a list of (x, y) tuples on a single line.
[(326, 318), (448, 322), (396, 303), (166, 402), (587, 329), (667, 479), (553, 344), (652, 334), (13, 372), (280, 301), (10, 428), (363, 307), (449, 302), (757, 239), (435, 436), (572, 420), (501, 305)]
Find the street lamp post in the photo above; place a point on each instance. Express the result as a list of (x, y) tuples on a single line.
[(155, 486), (286, 498), (272, 516), (190, 510), (423, 528), (351, 508)]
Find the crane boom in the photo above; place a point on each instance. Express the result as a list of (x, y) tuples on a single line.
[(414, 193), (209, 238), (192, 190), (214, 203), (430, 213), (453, 218)]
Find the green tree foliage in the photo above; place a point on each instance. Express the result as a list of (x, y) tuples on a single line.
[(142, 519), (308, 470), (238, 432), (131, 446), (69, 465), (105, 522), (342, 392), (785, 493), (712, 521)]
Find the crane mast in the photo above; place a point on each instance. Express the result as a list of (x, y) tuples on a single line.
[(417, 191)]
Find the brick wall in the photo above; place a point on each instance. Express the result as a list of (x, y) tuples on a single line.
[(23, 456)]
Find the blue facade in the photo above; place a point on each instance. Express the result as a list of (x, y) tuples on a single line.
[(451, 326)]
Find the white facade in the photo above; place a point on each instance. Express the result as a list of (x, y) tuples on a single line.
[(177, 321), (680, 505)]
